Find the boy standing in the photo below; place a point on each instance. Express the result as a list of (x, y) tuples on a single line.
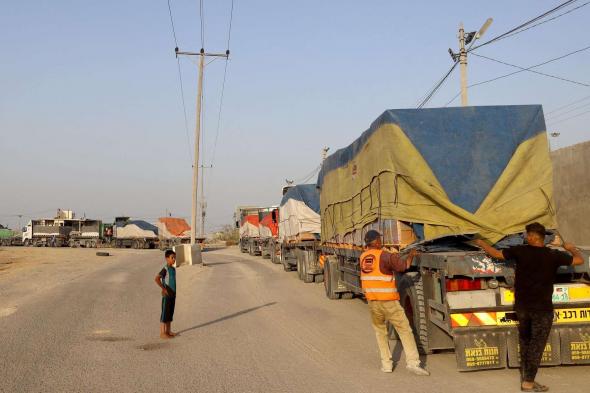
[(166, 279)]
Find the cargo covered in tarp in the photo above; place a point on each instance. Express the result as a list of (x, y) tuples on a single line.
[(249, 226), (135, 229), (299, 213), (268, 225), (444, 171), (172, 227)]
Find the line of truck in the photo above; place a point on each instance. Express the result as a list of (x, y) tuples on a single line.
[(64, 230), (433, 180)]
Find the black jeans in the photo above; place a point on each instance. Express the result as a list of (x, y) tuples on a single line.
[(533, 330)]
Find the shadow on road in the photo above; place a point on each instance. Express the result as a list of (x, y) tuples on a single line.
[(237, 314)]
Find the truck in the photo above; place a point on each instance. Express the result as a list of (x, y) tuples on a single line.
[(269, 230), (247, 220), (299, 232), (48, 232), (432, 180), (86, 233), (173, 231), (138, 234), (8, 237)]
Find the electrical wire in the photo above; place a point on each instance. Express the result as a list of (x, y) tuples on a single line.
[(202, 17), (568, 111), (519, 71), (533, 71), (569, 118), (568, 105), (520, 28), (548, 20), (188, 139), (437, 86), (219, 114)]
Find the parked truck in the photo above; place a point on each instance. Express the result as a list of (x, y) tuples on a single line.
[(173, 231), (48, 232), (8, 237), (432, 180), (299, 232), (86, 233), (269, 231), (248, 222), (128, 233)]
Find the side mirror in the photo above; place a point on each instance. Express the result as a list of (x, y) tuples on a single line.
[(238, 224), (274, 216)]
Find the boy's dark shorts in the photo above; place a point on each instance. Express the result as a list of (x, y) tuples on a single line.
[(167, 309)]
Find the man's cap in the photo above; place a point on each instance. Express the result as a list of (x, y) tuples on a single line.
[(535, 227), (371, 236)]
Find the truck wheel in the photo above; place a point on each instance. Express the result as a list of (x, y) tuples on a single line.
[(93, 244), (318, 278), (412, 300), (329, 279), (307, 278)]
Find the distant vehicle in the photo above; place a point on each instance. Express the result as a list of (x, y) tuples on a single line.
[(173, 231), (48, 232), (9, 237), (248, 221), (128, 233)]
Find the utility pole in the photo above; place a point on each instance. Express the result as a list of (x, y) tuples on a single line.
[(202, 56), (463, 65), (203, 203), (466, 39)]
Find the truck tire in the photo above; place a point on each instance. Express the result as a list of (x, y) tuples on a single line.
[(411, 291), (307, 255), (93, 243), (299, 266), (26, 243), (318, 278), (330, 279)]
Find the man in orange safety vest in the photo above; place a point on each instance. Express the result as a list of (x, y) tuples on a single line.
[(378, 269)]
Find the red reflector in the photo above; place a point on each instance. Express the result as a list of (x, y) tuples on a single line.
[(463, 284)]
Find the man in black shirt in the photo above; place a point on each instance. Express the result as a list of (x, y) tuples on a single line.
[(536, 268)]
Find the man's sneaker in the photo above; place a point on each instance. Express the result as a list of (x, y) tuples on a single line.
[(418, 370), (386, 367)]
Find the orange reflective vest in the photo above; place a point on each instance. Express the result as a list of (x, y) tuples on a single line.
[(376, 285)]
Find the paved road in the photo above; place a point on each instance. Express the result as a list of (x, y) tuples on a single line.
[(246, 326)]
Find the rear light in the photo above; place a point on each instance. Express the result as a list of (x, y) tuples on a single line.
[(464, 284)]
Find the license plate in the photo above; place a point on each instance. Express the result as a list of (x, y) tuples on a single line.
[(560, 295), (560, 316)]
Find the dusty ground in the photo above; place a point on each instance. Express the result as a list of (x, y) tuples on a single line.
[(71, 321)]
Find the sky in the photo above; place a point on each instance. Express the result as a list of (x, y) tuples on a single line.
[(91, 116)]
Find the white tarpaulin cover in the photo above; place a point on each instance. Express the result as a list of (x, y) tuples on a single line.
[(296, 217), (249, 230)]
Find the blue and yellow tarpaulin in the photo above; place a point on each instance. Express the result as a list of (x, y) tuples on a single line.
[(459, 170)]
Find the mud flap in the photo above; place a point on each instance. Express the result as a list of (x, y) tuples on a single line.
[(480, 350), (551, 354), (575, 345)]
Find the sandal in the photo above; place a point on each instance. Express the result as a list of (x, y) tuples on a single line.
[(537, 387)]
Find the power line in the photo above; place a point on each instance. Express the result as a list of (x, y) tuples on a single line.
[(535, 72), (231, 17), (188, 139), (567, 105), (568, 118), (437, 86), (202, 17), (568, 111), (518, 29), (549, 20), (521, 70)]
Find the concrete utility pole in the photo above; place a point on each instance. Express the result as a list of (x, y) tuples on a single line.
[(202, 56), (466, 39), (463, 65), (203, 203)]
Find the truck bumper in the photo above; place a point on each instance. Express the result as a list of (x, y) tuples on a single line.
[(490, 348)]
